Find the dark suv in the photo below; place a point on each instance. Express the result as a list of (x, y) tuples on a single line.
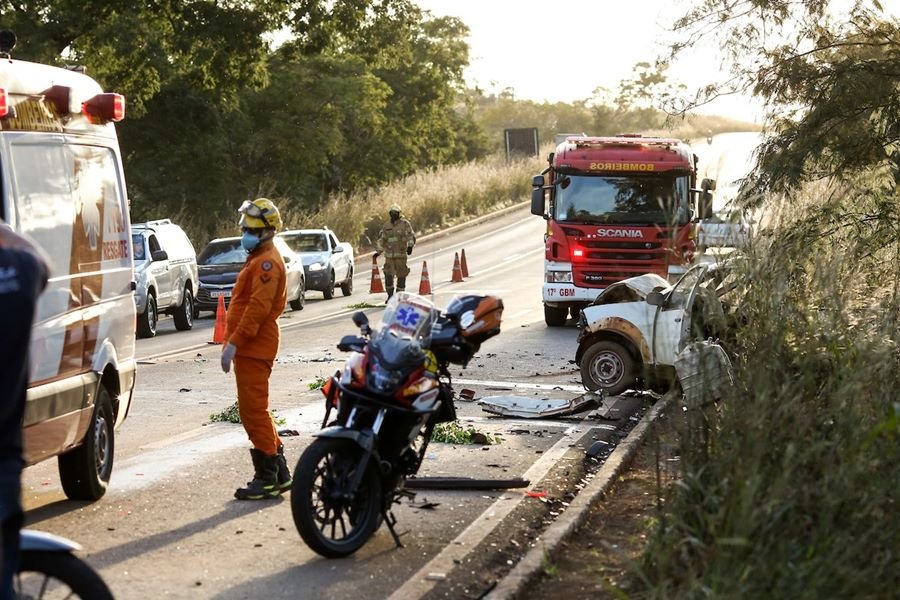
[(221, 261)]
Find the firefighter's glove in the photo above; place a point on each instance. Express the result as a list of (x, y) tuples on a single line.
[(377, 254), (228, 356), (408, 250)]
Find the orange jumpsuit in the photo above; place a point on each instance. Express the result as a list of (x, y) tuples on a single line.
[(252, 326)]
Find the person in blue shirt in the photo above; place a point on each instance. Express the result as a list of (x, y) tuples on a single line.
[(23, 275)]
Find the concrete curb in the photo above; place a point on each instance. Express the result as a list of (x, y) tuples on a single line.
[(531, 564)]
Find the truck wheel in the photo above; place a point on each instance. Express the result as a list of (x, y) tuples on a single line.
[(555, 316), (148, 319), (328, 292), (84, 472), (184, 315), (347, 286), (607, 366)]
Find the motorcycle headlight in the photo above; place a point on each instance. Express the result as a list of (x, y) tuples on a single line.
[(382, 380)]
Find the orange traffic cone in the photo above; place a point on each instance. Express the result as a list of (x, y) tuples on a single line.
[(424, 282), (457, 270), (376, 287), (462, 263), (219, 331)]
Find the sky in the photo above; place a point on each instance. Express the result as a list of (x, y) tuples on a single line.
[(561, 50)]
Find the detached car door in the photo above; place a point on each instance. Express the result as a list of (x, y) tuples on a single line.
[(672, 324)]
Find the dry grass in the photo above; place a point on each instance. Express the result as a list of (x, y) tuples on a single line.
[(430, 200)]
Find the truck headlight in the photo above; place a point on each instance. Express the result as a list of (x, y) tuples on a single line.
[(559, 276)]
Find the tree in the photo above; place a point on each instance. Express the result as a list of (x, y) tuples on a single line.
[(138, 49), (831, 83)]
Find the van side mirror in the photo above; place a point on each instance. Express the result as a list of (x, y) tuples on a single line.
[(159, 255), (537, 202)]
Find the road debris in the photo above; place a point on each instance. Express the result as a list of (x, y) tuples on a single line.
[(534, 408)]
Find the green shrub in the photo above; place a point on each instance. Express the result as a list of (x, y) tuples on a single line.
[(794, 493)]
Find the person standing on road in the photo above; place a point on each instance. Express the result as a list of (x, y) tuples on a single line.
[(251, 342), (23, 275), (396, 242)]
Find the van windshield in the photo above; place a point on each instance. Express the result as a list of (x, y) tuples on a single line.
[(639, 200), (225, 252), (306, 242)]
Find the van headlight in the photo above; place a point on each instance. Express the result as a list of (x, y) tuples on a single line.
[(559, 276)]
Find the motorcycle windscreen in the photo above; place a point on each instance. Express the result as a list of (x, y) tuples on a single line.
[(405, 329)]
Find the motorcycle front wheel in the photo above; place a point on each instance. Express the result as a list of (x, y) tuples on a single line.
[(50, 574), (332, 519)]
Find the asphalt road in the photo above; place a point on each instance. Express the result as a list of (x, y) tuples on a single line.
[(169, 527)]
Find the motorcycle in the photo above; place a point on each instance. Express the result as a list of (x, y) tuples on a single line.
[(393, 390), (48, 568)]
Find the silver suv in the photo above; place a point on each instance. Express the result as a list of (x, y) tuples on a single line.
[(165, 269)]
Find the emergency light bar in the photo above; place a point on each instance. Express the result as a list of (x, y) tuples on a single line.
[(4, 104), (104, 108)]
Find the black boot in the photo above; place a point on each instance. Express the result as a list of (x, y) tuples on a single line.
[(283, 478), (265, 478)]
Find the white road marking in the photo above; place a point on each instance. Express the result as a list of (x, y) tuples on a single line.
[(418, 585)]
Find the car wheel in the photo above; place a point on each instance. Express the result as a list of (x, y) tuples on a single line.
[(84, 472), (184, 316), (347, 286), (607, 366), (328, 292), (298, 302), (555, 316), (148, 319)]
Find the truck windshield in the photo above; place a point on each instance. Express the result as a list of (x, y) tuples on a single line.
[(632, 200)]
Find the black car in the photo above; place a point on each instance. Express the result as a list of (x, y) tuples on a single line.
[(221, 261)]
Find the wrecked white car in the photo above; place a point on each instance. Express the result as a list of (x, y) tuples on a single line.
[(634, 330)]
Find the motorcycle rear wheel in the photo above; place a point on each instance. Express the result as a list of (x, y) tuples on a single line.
[(331, 520)]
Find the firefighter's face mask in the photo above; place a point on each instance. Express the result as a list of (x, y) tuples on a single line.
[(395, 216), (251, 238)]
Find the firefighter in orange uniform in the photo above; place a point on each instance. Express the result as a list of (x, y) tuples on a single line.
[(251, 342)]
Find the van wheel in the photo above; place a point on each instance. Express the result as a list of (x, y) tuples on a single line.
[(328, 292), (148, 319), (347, 286), (607, 366), (84, 472), (184, 316)]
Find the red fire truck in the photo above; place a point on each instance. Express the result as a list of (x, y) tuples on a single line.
[(618, 207)]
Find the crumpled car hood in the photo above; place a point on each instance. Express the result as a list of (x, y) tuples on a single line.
[(634, 289)]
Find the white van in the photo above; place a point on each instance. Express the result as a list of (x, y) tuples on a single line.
[(165, 269), (61, 182)]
